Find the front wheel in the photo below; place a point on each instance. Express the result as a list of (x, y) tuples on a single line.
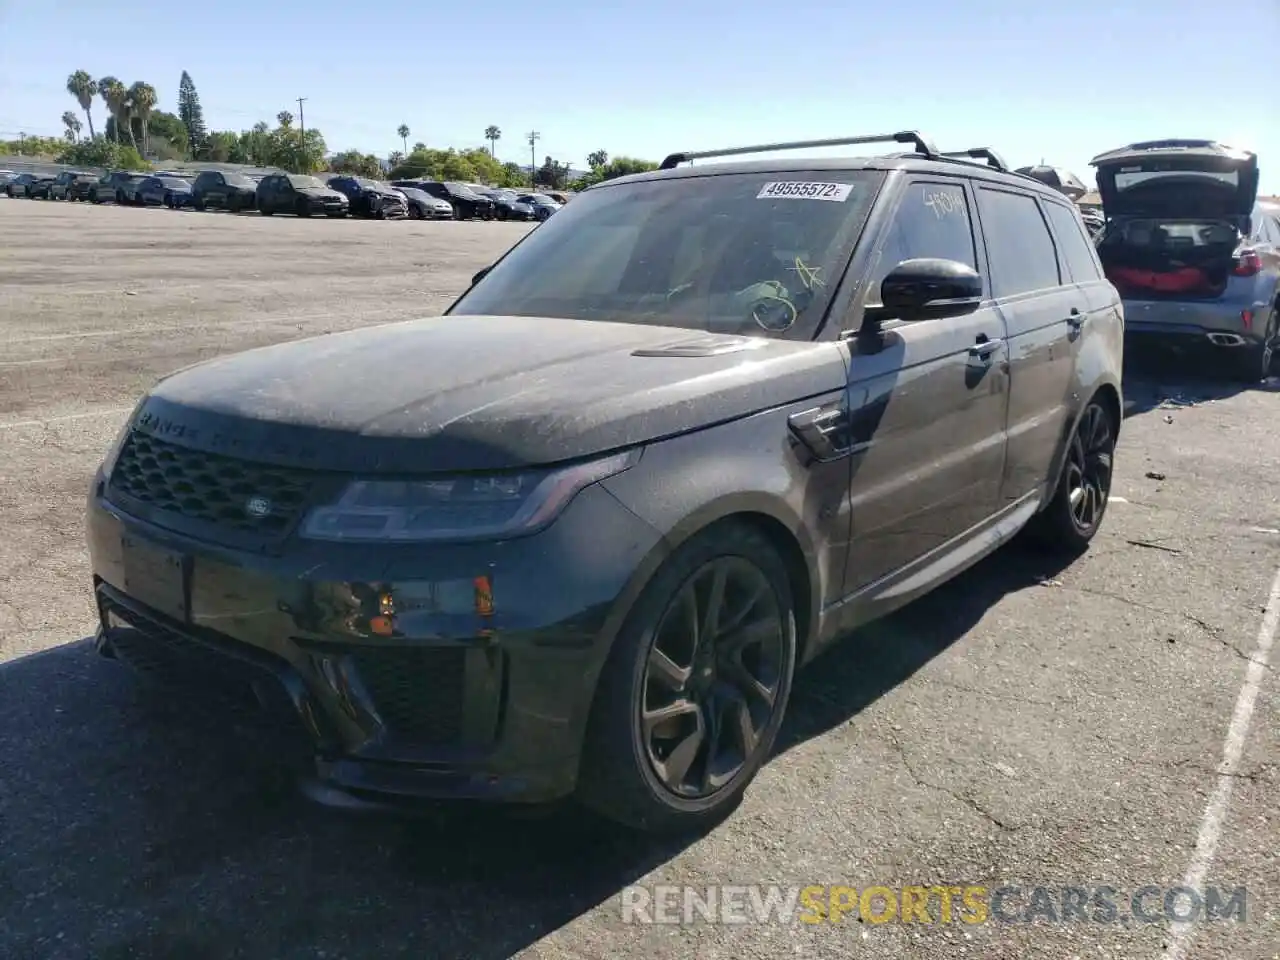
[(302, 208), (692, 696), (1075, 514), (264, 209), (198, 203)]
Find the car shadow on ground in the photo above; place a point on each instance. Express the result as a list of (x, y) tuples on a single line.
[(1167, 381), (135, 829)]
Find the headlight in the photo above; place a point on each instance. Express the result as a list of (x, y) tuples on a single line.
[(483, 507)]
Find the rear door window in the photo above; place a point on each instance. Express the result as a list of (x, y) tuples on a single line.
[(1020, 249), (1075, 249)]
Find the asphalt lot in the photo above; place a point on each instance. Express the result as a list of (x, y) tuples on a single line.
[(1028, 724)]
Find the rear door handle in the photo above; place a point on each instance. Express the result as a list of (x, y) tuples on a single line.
[(1076, 319)]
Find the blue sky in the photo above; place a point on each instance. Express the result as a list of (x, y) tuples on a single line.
[(1034, 80)]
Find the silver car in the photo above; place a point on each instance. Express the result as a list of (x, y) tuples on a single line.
[(1193, 253)]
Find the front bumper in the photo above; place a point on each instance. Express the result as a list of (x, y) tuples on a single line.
[(462, 698)]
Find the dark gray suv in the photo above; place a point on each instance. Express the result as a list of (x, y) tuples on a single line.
[(576, 536)]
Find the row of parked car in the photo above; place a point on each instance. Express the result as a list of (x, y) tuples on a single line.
[(303, 195)]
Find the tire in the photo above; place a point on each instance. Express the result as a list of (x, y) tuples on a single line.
[(457, 212), (301, 209), (198, 203), (1252, 364), (168, 201), (264, 209), (415, 213), (1063, 526), (620, 776)]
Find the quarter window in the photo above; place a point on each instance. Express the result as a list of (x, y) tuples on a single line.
[(932, 220), (1019, 246), (1077, 252)]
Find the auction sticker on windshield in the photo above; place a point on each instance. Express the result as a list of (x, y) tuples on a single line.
[(805, 190)]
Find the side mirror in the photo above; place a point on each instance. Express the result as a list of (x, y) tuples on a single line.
[(480, 275), (930, 289)]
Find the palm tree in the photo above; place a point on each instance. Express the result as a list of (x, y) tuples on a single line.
[(142, 101), (597, 159), (493, 135), (72, 123), (116, 97), (285, 119), (403, 131), (84, 88)]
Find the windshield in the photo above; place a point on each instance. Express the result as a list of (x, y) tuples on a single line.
[(174, 182), (536, 198), (302, 182), (460, 188), (415, 194), (238, 180), (752, 254)]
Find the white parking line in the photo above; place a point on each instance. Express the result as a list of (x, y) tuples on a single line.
[(1215, 814), (70, 416)]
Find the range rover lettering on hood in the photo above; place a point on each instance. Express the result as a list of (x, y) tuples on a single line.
[(478, 393)]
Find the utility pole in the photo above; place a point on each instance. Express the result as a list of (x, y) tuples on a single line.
[(534, 137), (302, 130)]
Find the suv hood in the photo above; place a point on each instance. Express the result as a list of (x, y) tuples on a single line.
[(478, 393), (1177, 178)]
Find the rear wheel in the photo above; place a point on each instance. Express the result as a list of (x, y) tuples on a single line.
[(1084, 487), (692, 696), (1251, 364)]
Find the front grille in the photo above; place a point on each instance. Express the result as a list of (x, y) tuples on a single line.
[(210, 487), (417, 691)]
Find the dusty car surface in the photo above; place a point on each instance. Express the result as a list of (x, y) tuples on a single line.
[(576, 536)]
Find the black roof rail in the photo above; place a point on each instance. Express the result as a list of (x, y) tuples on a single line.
[(994, 160), (922, 145)]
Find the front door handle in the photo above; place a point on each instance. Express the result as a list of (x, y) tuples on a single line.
[(1076, 319), (983, 349)]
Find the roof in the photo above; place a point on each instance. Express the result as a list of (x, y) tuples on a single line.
[(911, 162)]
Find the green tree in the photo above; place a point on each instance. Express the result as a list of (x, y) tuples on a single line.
[(598, 160), (403, 132), (285, 119), (552, 174), (142, 101), (168, 135), (116, 98), (356, 163), (493, 134), (72, 123), (617, 167), (100, 152), (394, 159), (220, 145), (191, 114), (84, 88), (419, 146)]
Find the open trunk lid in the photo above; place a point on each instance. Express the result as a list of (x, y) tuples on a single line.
[(1178, 178)]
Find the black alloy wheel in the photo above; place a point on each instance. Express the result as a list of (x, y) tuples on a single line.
[(1075, 514), (712, 677), (302, 208), (693, 693)]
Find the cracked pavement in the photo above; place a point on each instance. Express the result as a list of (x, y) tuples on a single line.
[(1028, 724)]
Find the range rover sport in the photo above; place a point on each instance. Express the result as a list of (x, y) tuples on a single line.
[(576, 536)]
